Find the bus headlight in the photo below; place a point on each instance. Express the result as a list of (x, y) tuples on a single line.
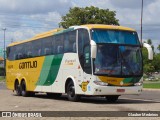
[(100, 83), (140, 83)]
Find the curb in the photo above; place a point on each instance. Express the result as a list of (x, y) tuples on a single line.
[(149, 89)]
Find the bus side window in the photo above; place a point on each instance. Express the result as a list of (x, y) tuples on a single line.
[(11, 53), (53, 48), (47, 51), (59, 44), (47, 45), (59, 49), (19, 52), (74, 47), (29, 54), (28, 50), (37, 46), (70, 42), (20, 56), (39, 52)]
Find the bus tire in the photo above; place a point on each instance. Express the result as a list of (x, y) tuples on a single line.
[(25, 93), (112, 98), (18, 89), (71, 92)]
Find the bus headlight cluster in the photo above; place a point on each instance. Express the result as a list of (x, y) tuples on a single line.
[(100, 83), (140, 83)]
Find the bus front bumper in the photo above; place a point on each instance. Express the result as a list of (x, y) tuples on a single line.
[(114, 90)]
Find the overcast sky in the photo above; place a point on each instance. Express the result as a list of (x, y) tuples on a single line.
[(25, 18)]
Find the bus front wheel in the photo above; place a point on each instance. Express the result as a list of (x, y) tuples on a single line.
[(112, 98), (71, 92)]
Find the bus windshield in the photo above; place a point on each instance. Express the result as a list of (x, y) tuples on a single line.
[(115, 36), (118, 53), (118, 60)]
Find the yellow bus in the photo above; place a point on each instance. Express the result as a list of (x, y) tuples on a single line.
[(90, 60)]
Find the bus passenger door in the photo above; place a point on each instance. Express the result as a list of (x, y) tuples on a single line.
[(84, 59)]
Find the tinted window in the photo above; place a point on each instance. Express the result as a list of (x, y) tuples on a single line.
[(84, 50), (37, 48), (11, 53), (29, 49), (118, 60), (47, 46), (44, 46), (20, 51), (59, 44), (70, 41), (83, 40), (115, 36)]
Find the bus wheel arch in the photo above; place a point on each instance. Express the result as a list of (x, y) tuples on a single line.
[(70, 90), (67, 82), (17, 87)]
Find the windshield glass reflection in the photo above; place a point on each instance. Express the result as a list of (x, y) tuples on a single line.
[(115, 36), (118, 60)]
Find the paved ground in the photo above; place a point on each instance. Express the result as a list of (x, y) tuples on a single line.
[(149, 100), (2, 85)]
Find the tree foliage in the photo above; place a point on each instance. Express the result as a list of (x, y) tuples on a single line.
[(150, 66), (88, 15), (149, 41), (158, 48)]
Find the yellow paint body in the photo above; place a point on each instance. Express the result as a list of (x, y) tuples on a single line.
[(30, 75)]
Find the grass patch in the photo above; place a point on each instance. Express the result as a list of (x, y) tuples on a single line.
[(151, 85), (2, 78)]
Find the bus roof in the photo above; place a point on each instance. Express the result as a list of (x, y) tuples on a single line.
[(41, 35), (112, 27), (61, 30)]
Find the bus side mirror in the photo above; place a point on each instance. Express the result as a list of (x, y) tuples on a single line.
[(150, 51), (93, 49)]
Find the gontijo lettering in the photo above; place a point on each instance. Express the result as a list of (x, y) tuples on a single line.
[(27, 65)]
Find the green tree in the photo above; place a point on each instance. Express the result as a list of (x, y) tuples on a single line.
[(150, 66), (149, 41), (156, 62), (147, 65), (88, 15), (158, 48)]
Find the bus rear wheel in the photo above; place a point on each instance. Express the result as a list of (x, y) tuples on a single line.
[(112, 98), (71, 92), (25, 93), (18, 89)]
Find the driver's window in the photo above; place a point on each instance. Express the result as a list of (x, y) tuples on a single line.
[(84, 50)]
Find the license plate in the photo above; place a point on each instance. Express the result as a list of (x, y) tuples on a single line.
[(120, 90)]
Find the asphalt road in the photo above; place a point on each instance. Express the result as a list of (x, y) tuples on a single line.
[(149, 100), (2, 85)]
